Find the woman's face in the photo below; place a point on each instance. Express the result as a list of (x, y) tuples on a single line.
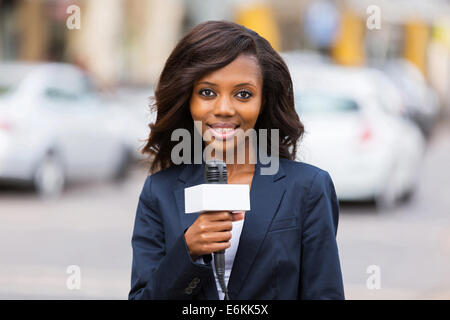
[(226, 100)]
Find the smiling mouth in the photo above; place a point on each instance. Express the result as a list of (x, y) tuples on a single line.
[(223, 131)]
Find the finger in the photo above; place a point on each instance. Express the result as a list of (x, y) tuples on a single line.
[(236, 216), (219, 215), (217, 246), (220, 226), (212, 237)]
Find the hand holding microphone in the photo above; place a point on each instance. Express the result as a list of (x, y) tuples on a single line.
[(210, 232)]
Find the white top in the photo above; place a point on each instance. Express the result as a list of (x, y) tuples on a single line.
[(230, 253)]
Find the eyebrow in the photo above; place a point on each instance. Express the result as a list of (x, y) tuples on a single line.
[(237, 85)]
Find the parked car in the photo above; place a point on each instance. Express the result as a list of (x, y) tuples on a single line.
[(55, 129), (137, 101), (420, 100), (370, 150)]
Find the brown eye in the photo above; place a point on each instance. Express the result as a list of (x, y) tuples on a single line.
[(208, 93), (244, 94)]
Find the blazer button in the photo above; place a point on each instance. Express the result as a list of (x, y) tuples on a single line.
[(196, 280), (192, 285), (188, 291)]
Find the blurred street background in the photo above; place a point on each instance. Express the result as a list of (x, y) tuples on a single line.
[(371, 84)]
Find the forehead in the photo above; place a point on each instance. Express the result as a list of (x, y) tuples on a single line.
[(244, 68)]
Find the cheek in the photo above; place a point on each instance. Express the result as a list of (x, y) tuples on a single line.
[(199, 109), (199, 114), (194, 108), (250, 114)]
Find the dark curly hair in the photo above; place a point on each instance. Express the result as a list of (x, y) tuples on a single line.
[(207, 47)]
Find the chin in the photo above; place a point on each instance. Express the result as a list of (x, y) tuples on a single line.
[(224, 148)]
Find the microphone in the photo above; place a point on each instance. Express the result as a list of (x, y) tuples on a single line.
[(217, 195), (216, 173)]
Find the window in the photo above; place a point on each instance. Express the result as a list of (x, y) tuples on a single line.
[(324, 103), (54, 93)]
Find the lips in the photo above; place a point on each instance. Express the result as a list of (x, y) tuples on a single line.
[(223, 130)]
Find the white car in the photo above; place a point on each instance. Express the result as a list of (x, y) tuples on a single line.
[(54, 129), (138, 102), (371, 152)]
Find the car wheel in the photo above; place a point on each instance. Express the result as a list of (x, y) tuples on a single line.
[(387, 199), (124, 166), (49, 178), (410, 192)]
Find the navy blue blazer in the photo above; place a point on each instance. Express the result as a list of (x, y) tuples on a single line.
[(287, 248)]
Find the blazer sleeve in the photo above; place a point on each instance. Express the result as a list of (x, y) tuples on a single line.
[(320, 276), (159, 272)]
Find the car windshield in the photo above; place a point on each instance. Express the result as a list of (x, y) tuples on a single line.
[(323, 103)]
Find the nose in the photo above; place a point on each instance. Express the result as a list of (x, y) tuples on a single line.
[(224, 107)]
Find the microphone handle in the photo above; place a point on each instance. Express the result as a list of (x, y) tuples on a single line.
[(219, 264)]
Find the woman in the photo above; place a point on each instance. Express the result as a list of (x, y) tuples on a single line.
[(227, 79)]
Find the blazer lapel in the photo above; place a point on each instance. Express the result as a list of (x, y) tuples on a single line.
[(265, 196)]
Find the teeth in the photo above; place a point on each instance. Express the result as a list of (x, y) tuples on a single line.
[(224, 130)]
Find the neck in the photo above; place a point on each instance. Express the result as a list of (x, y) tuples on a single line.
[(236, 164)]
